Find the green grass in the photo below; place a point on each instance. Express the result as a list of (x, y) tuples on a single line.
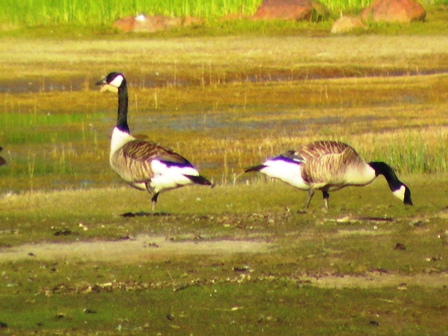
[(317, 262), (72, 265), (32, 12), (101, 12), (231, 310)]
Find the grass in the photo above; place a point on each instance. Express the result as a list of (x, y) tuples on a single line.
[(35, 13), (241, 313), (105, 12), (316, 262), (251, 124), (237, 258), (84, 19)]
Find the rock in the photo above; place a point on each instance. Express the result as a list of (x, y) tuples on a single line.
[(291, 10), (394, 11), (346, 23), (149, 24)]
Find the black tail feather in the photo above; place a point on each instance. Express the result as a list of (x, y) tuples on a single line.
[(254, 168), (198, 179)]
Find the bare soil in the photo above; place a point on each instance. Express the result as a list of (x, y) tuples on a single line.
[(130, 250), (143, 248)]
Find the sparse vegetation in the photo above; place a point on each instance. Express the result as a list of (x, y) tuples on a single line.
[(80, 255)]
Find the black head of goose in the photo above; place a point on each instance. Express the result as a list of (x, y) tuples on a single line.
[(143, 164)]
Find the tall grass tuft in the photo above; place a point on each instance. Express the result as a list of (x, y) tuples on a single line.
[(103, 12), (50, 12)]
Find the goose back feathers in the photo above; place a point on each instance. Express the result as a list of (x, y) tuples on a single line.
[(329, 166), (146, 165)]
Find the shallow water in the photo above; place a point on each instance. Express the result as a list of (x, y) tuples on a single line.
[(80, 83)]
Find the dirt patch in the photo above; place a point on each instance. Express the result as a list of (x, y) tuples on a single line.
[(377, 280), (130, 250)]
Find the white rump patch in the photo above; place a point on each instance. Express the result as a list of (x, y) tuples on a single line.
[(170, 177), (288, 172), (399, 193)]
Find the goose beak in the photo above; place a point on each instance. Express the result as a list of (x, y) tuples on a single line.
[(101, 82), (407, 197), (408, 201)]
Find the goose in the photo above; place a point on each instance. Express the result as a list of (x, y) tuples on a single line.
[(2, 160), (329, 166), (143, 164)]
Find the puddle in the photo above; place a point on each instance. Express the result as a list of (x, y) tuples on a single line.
[(138, 249), (201, 121), (79, 83)]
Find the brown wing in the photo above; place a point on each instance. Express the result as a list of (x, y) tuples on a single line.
[(320, 148), (133, 161), (142, 150), (2, 161), (327, 161)]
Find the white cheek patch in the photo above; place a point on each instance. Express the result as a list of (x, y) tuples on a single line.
[(399, 193), (117, 81), (288, 172)]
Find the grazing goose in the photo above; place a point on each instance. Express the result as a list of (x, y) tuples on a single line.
[(144, 165), (329, 166), (2, 160)]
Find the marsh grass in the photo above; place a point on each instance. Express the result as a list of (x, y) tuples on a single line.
[(236, 125), (104, 12)]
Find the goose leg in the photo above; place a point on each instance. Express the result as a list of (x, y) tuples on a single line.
[(310, 196), (326, 196), (154, 201), (154, 198)]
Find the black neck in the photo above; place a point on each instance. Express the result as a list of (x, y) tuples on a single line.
[(122, 119), (384, 169)]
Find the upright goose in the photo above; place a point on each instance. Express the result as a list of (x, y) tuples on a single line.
[(144, 165), (329, 166), (2, 160)]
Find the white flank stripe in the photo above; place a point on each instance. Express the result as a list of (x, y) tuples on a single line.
[(288, 172), (170, 177)]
